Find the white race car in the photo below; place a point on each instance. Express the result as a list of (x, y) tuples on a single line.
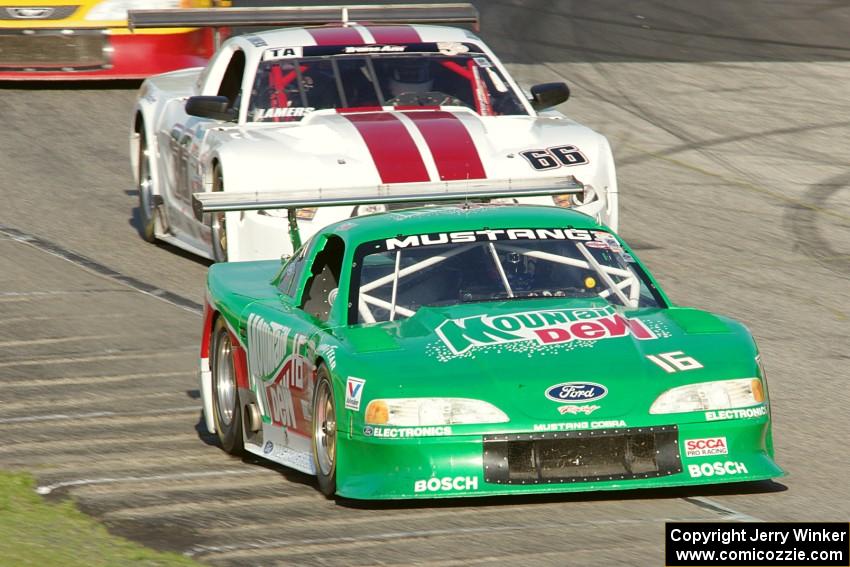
[(342, 105)]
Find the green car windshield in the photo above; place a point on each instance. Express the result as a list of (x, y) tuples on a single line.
[(393, 278)]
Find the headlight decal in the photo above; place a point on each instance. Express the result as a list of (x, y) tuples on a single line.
[(424, 412), (704, 396)]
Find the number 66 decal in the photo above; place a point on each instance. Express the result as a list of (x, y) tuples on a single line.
[(551, 158)]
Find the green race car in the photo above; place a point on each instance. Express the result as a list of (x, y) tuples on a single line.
[(473, 349)]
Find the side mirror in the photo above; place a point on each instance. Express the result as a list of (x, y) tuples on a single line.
[(547, 95), (215, 107)]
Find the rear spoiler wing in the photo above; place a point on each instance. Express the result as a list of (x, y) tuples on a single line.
[(453, 13), (435, 192)]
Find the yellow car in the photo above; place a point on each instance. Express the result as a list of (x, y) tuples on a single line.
[(89, 39)]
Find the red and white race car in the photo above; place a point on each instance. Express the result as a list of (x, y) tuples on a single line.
[(341, 105)]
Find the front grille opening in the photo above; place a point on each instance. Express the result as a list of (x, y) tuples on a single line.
[(51, 50), (521, 460), (582, 456)]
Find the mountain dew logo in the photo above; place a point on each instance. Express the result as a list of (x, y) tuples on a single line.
[(267, 346), (277, 368), (544, 327)]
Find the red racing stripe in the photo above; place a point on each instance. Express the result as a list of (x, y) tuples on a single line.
[(451, 145), (356, 109), (336, 36), (393, 150), (394, 34)]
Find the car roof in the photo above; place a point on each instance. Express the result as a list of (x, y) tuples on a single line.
[(451, 218), (358, 35)]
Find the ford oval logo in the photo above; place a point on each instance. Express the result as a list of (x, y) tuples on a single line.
[(576, 392)]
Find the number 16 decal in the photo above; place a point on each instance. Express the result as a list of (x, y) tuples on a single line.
[(674, 361), (551, 158)]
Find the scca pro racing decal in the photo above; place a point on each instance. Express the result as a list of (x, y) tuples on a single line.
[(553, 158), (543, 327), (279, 370), (706, 447)]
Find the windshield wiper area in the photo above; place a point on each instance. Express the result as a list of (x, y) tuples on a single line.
[(570, 292)]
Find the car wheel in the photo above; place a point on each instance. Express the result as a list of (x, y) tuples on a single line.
[(227, 412), (217, 221), (147, 209), (324, 432)]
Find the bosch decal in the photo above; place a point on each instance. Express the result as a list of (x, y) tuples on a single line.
[(446, 484), (717, 469), (353, 393), (543, 327), (706, 447)]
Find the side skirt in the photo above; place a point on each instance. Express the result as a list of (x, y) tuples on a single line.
[(285, 448), (186, 244)]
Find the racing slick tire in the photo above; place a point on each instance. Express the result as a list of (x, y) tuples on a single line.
[(227, 410), (147, 206), (324, 432), (218, 228)]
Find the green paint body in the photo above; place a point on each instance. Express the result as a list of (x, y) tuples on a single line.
[(483, 360)]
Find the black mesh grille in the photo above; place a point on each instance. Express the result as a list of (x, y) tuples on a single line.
[(53, 50), (582, 456)]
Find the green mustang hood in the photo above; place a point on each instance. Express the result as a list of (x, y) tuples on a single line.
[(519, 350)]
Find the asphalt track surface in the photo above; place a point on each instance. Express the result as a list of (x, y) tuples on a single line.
[(729, 126)]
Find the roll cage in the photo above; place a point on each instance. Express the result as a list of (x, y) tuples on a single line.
[(287, 88), (600, 266)]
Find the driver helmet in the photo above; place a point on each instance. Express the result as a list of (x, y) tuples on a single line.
[(411, 75)]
